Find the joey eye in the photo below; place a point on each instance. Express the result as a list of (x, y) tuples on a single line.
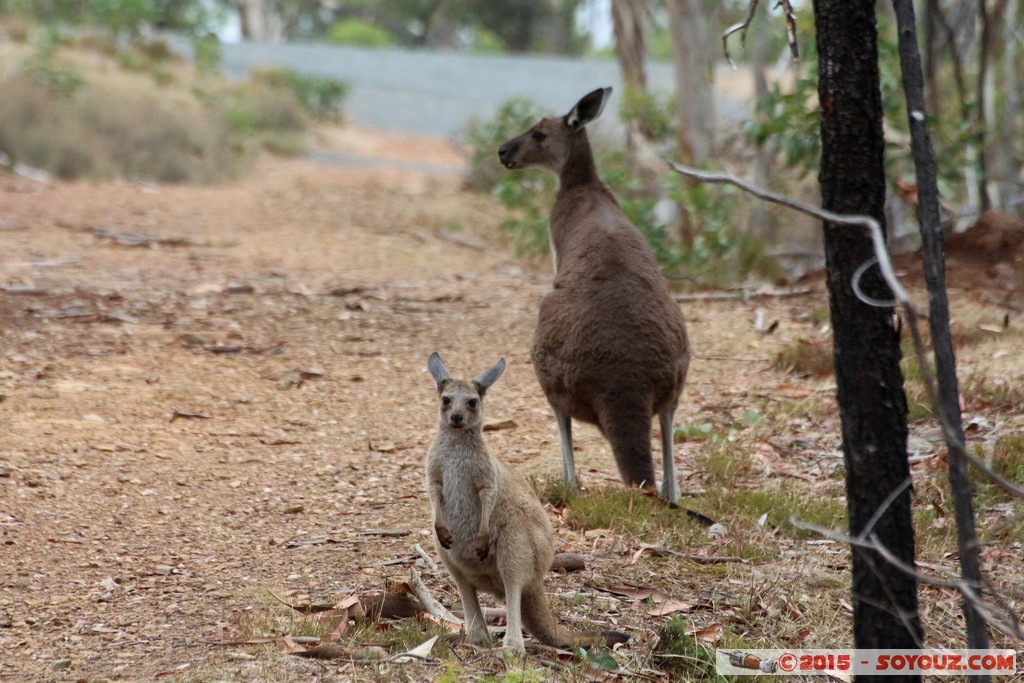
[(538, 136), (472, 403), (445, 401)]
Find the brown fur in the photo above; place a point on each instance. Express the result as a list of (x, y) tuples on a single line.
[(491, 531), (610, 347)]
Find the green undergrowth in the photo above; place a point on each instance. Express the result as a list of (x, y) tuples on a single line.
[(721, 252)]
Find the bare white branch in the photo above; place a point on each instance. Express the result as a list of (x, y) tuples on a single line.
[(953, 442), (742, 29)]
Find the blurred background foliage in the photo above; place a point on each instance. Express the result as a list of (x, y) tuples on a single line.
[(170, 120)]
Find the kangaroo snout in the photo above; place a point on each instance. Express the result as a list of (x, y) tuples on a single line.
[(456, 420), (505, 154)]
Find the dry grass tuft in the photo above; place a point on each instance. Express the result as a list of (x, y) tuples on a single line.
[(93, 111)]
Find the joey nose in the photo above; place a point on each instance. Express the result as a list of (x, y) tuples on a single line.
[(456, 419)]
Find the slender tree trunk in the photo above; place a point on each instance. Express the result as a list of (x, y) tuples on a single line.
[(258, 21), (869, 383), (984, 97), (761, 222), (1006, 161), (981, 102), (694, 81), (628, 17), (938, 318), (931, 52)]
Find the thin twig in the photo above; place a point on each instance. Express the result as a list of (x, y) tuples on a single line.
[(794, 47), (877, 236), (742, 28)]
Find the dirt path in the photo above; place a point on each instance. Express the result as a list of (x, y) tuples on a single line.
[(174, 414)]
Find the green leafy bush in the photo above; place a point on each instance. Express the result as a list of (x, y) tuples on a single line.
[(361, 33), (321, 97), (532, 191), (721, 252)]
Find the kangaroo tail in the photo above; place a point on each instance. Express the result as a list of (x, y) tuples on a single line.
[(541, 624), (626, 423)]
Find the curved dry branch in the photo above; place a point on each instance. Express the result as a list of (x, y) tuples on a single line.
[(953, 442), (742, 27)]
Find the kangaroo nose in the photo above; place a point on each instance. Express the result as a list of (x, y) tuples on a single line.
[(456, 419), (504, 152)]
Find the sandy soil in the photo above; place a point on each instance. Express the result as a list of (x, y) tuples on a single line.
[(192, 378)]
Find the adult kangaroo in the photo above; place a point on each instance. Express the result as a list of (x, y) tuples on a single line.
[(610, 347)]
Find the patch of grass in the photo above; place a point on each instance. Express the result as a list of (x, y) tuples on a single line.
[(554, 491), (918, 406), (1008, 461), (518, 672), (724, 463), (997, 394), (806, 358), (629, 511), (1009, 456), (740, 508), (684, 656)]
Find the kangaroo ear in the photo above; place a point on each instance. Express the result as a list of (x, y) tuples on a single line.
[(489, 377), (437, 370), (587, 109)]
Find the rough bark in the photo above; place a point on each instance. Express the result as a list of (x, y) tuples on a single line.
[(872, 404)]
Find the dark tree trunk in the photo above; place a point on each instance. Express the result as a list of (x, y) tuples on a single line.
[(872, 405), (938, 318)]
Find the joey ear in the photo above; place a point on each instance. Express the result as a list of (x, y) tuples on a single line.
[(587, 109), (437, 369), (489, 377)]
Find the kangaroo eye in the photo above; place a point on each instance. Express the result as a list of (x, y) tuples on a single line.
[(538, 136), (472, 403), (445, 401)]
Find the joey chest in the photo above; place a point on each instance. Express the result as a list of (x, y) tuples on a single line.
[(462, 479)]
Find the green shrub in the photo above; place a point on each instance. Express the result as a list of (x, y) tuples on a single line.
[(320, 97), (486, 42), (722, 251), (720, 254), (207, 53), (361, 33), (532, 191)]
